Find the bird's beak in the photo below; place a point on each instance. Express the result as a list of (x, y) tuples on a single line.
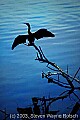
[(25, 23)]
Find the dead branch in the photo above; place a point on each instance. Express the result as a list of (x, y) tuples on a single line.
[(42, 58), (5, 114), (75, 108)]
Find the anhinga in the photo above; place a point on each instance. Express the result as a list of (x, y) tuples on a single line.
[(31, 36)]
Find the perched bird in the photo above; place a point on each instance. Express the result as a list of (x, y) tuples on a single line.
[(31, 36)]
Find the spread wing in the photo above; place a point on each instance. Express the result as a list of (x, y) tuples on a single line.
[(43, 33), (19, 40)]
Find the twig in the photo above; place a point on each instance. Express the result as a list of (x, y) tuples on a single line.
[(76, 73), (42, 58)]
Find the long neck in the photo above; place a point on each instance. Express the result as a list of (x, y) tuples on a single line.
[(29, 29)]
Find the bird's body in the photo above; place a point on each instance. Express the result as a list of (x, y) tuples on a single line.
[(31, 36), (31, 39)]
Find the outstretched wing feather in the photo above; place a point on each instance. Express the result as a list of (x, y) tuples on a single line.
[(19, 40), (43, 33)]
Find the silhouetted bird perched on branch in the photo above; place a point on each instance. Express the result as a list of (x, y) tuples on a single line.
[(31, 36)]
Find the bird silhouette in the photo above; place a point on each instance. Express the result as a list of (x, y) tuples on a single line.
[(31, 36)]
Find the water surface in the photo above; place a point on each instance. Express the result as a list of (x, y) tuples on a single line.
[(20, 74)]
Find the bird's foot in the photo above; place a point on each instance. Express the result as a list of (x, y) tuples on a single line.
[(30, 44)]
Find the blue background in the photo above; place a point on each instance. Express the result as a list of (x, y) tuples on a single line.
[(20, 74)]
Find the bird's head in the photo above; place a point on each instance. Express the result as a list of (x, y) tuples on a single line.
[(27, 24)]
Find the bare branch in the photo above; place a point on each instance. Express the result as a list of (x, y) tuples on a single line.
[(41, 57)]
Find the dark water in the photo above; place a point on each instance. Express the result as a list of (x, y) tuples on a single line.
[(20, 74)]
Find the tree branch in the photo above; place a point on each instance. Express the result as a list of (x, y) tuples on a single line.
[(41, 57)]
